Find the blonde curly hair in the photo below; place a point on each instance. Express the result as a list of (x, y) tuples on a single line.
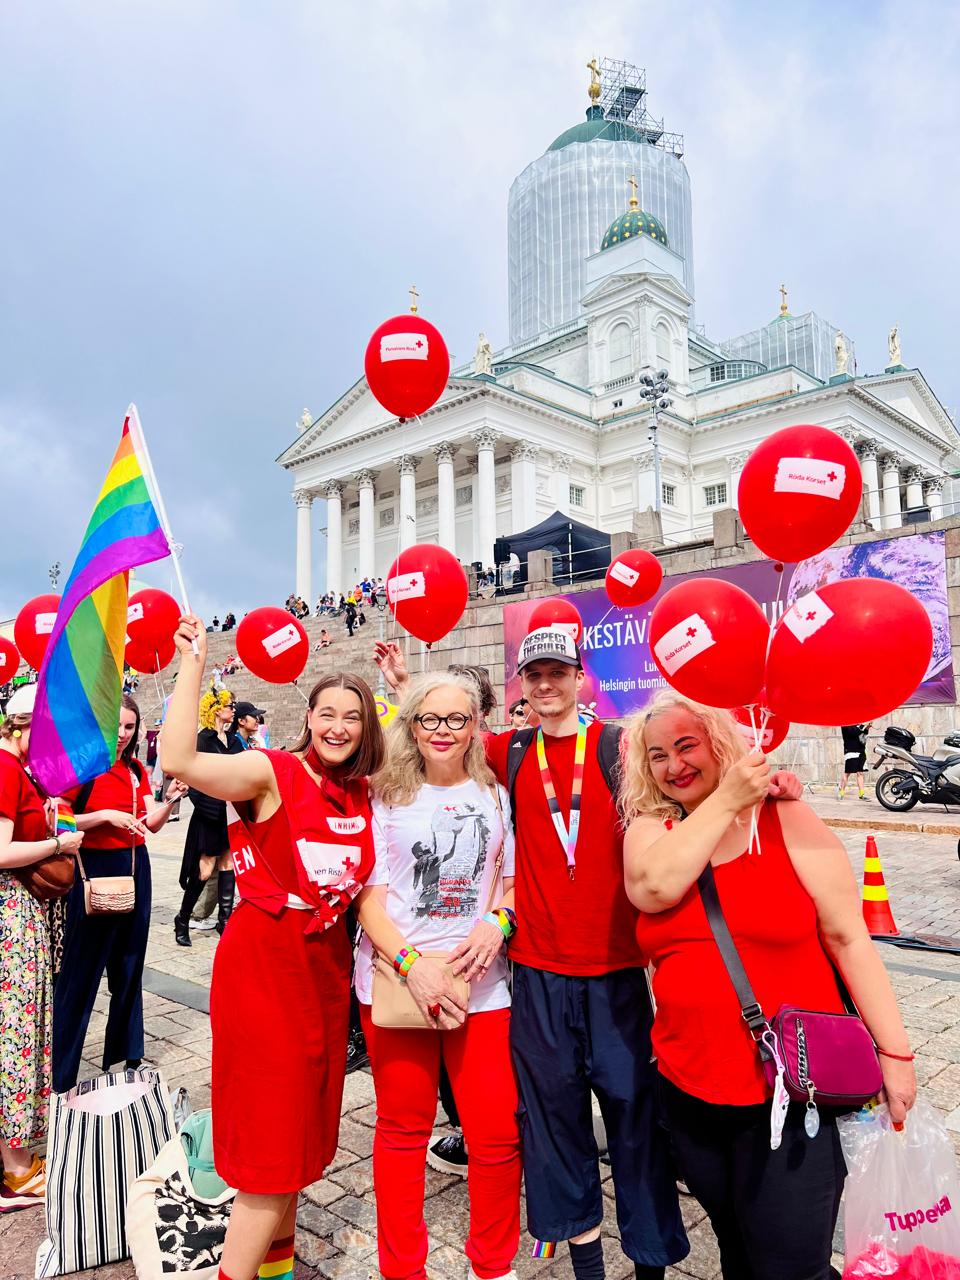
[(640, 796), (403, 774), (209, 704)]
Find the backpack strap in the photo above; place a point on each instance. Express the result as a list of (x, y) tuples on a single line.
[(83, 795), (520, 742)]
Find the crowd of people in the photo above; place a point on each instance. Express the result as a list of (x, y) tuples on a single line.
[(531, 937)]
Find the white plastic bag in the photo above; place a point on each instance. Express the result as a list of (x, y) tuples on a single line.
[(902, 1198)]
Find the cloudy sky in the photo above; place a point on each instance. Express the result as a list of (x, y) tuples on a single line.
[(208, 206)]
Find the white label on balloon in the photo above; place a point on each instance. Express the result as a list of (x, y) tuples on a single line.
[(44, 623), (810, 475), (280, 641), (403, 346), (623, 573), (406, 586), (135, 611), (568, 628), (683, 642), (807, 616)]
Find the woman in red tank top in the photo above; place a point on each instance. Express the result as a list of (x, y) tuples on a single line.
[(279, 999), (688, 789)]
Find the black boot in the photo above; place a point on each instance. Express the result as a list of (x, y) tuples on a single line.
[(181, 921), (225, 884)]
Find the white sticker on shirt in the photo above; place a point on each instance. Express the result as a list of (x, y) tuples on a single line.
[(683, 642), (623, 573), (347, 826), (807, 616), (810, 475), (403, 346), (44, 623), (280, 641), (327, 863)]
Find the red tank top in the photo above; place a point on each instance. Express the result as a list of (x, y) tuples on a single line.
[(313, 848), (702, 1043)]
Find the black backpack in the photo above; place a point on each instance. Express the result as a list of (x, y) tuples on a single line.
[(608, 757)]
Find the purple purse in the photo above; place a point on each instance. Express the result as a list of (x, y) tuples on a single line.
[(808, 1056)]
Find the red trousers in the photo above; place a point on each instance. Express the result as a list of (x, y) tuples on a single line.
[(406, 1070)]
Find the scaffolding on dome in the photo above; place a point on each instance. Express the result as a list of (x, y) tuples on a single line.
[(623, 88)]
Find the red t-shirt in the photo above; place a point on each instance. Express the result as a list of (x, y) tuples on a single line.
[(20, 801), (585, 926), (112, 790), (702, 1043)]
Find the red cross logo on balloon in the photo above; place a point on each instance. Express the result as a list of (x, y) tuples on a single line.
[(811, 616), (831, 475), (691, 631), (420, 344)]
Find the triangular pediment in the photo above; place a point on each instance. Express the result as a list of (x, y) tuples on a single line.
[(633, 282), (908, 392)]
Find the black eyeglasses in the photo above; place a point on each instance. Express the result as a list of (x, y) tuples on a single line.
[(454, 722)]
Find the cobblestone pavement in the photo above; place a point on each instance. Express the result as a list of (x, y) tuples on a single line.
[(336, 1236)]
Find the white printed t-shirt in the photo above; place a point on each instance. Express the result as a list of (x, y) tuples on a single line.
[(437, 857)]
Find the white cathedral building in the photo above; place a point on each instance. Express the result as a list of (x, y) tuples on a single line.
[(602, 295)]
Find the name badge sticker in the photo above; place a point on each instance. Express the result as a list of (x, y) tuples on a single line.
[(327, 863), (347, 826)]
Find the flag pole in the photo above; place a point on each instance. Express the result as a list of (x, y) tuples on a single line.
[(140, 441)]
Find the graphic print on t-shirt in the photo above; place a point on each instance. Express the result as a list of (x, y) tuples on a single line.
[(450, 865)]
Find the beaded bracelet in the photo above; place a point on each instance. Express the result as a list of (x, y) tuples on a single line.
[(404, 960), (504, 919)]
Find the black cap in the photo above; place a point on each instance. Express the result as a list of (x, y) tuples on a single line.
[(248, 709)]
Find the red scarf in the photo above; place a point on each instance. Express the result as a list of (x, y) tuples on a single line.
[(335, 899)]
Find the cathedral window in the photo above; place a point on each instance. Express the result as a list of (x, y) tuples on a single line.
[(715, 495), (669, 495), (577, 495), (621, 351), (661, 337)]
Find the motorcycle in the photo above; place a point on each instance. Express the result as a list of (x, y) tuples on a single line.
[(916, 779)]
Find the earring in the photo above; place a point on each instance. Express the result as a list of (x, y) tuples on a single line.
[(17, 733)]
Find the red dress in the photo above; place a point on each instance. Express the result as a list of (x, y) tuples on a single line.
[(701, 1042), (280, 995)]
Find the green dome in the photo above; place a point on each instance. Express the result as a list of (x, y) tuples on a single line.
[(634, 223), (597, 126)]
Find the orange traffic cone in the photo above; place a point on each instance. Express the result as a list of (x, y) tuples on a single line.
[(876, 901)]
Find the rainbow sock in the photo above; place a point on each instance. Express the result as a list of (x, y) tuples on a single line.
[(543, 1249), (278, 1264)]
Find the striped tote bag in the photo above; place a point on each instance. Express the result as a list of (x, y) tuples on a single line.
[(103, 1135)]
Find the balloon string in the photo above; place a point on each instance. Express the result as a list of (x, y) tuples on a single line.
[(754, 827), (300, 691), (773, 620)]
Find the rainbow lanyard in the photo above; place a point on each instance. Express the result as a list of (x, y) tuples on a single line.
[(568, 838)]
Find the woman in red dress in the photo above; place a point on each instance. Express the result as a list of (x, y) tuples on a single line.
[(279, 999)]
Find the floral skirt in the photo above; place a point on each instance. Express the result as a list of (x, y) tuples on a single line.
[(26, 1014)]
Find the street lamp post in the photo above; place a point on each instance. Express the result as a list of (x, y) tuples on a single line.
[(653, 389)]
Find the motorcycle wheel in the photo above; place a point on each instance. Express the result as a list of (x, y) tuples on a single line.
[(890, 795)]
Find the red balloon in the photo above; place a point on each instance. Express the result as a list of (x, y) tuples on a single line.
[(709, 640), (149, 656), (9, 659), (273, 645), (799, 492), (557, 613), (774, 728), (152, 619), (407, 365), (427, 591), (848, 652), (31, 631), (633, 577)]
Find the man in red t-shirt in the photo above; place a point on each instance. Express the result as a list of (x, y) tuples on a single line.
[(581, 1015)]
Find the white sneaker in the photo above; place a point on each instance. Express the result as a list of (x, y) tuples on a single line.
[(209, 923), (507, 1275)]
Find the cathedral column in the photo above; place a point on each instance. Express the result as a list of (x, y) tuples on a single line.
[(892, 515), (485, 498), (446, 497), (523, 485), (407, 465), (333, 492), (914, 488), (933, 495), (304, 500), (871, 480), (644, 482), (367, 550), (737, 462), (560, 483)]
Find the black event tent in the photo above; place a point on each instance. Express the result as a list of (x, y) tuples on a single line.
[(579, 552)]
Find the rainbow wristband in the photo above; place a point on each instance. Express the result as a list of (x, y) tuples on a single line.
[(504, 919), (404, 960)]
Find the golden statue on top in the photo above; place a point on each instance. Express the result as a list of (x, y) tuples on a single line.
[(413, 298), (632, 184), (594, 90)]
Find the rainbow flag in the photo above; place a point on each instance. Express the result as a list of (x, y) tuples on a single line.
[(73, 735)]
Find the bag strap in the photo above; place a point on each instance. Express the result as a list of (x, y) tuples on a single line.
[(608, 756), (750, 1010), (83, 796), (503, 840), (521, 740)]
